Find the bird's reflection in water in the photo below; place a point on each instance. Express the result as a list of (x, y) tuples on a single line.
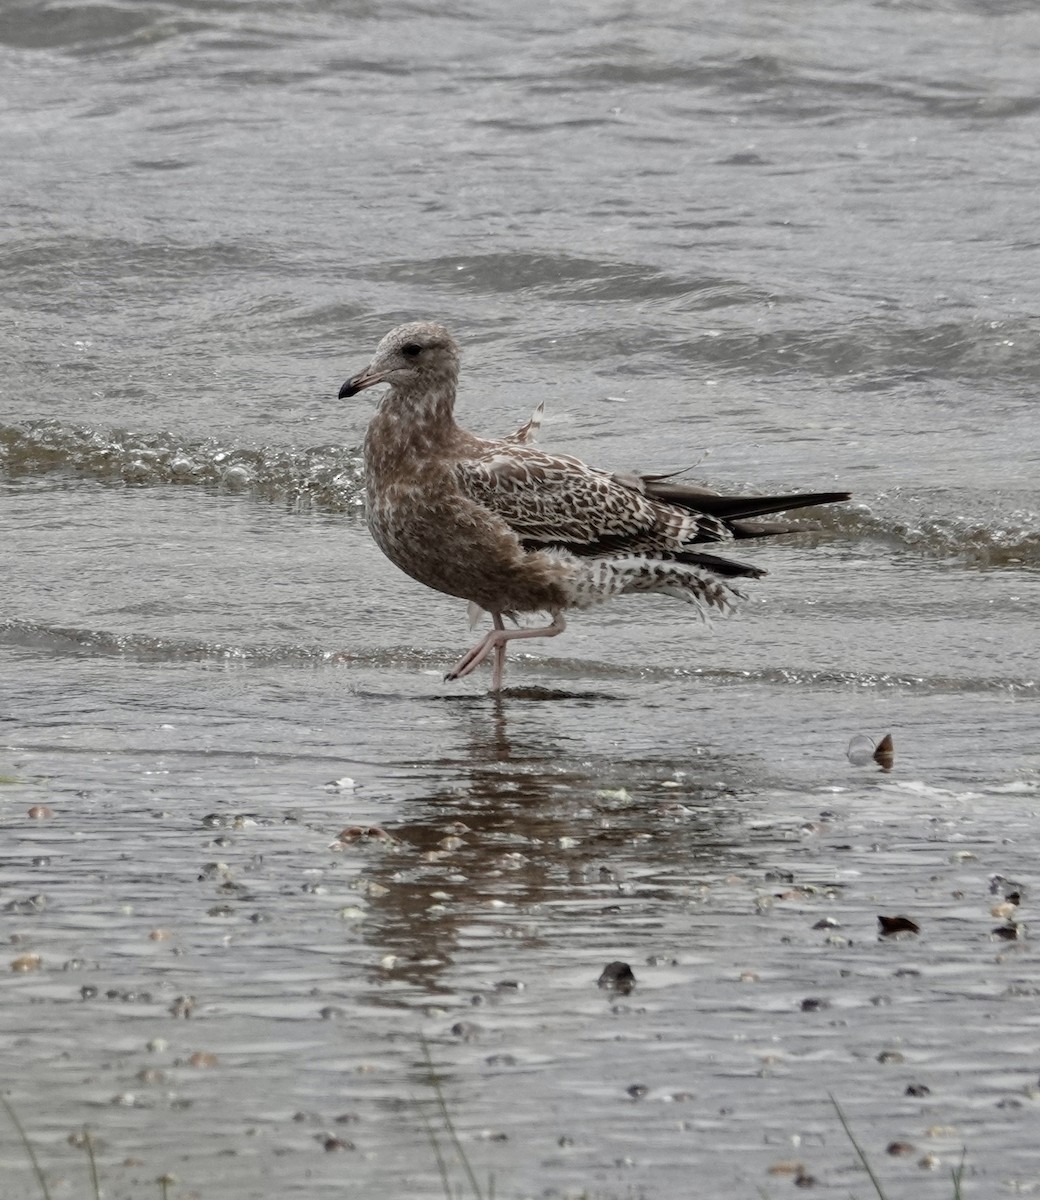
[(523, 816)]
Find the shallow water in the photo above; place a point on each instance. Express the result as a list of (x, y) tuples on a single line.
[(789, 246)]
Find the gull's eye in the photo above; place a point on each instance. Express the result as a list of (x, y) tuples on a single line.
[(411, 349)]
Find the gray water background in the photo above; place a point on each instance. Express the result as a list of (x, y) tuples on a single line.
[(789, 245)]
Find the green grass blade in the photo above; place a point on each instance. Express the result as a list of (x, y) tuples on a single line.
[(45, 1191), (431, 1137), (958, 1175), (449, 1125), (88, 1141), (856, 1146)]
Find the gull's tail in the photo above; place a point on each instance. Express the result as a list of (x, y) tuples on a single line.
[(598, 579)]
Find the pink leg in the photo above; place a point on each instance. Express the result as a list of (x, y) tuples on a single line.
[(496, 640), (500, 656)]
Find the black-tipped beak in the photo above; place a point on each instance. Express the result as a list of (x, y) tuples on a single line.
[(359, 383)]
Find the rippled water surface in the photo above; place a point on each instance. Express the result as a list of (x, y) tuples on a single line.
[(786, 245)]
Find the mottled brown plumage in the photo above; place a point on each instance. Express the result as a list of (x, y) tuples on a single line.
[(513, 529)]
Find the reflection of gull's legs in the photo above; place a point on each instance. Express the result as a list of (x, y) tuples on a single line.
[(496, 640)]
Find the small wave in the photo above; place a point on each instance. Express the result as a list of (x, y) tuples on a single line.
[(872, 350), (331, 479), (1013, 540), (881, 681), (90, 28), (806, 677), (72, 641), (571, 278), (324, 477)]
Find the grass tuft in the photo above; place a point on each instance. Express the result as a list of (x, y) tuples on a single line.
[(956, 1173), (95, 1179), (449, 1129), (37, 1169)]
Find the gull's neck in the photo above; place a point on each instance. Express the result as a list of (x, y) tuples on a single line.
[(427, 407), (412, 424)]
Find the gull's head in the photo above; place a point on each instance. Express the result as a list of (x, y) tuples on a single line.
[(420, 355)]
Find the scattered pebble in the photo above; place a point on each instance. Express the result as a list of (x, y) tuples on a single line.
[(1008, 933), (183, 1006), (891, 926), (362, 833), (40, 812), (786, 1167), (618, 977), (368, 887), (900, 1149), (1009, 888), (25, 963), (468, 1031), (884, 754)]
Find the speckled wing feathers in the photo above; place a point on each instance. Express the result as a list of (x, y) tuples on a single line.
[(556, 500)]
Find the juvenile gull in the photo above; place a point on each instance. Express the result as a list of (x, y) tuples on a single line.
[(514, 530)]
